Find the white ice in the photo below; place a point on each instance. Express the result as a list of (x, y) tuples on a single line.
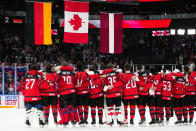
[(13, 120)]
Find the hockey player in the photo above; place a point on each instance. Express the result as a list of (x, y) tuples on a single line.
[(130, 93), (32, 97), (143, 93), (190, 96), (158, 84), (151, 98), (49, 94), (178, 96), (82, 89), (96, 94), (67, 91), (113, 92), (166, 92)]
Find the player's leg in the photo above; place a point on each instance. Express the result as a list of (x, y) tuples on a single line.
[(191, 103), (167, 105), (125, 103), (110, 110), (177, 110), (40, 113), (185, 109), (151, 105), (133, 103), (80, 108), (86, 107), (64, 113), (100, 105), (72, 108), (53, 103), (46, 104), (141, 107), (118, 110), (93, 110), (158, 108), (29, 113)]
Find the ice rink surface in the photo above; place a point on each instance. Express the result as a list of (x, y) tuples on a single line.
[(13, 120)]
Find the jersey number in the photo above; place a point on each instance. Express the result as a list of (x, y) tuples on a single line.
[(167, 85), (112, 80), (30, 83), (92, 85), (67, 79), (133, 84)]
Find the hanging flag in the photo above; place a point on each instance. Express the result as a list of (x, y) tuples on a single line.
[(76, 22), (38, 23), (110, 33)]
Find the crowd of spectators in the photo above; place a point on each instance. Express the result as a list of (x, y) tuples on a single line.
[(139, 43)]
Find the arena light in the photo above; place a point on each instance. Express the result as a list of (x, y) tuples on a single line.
[(191, 32), (172, 31), (181, 31)]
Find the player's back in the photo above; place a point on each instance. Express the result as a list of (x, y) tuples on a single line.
[(66, 82), (83, 81), (31, 89), (130, 90), (167, 86)]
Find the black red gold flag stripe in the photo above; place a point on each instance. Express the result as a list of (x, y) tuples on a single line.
[(38, 23)]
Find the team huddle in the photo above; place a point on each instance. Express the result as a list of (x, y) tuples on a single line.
[(71, 92)]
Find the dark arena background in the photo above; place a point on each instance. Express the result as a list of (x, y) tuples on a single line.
[(142, 51)]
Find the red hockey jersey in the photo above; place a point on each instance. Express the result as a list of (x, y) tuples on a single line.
[(167, 86), (30, 87), (96, 86), (189, 86), (158, 84), (48, 85), (192, 78), (112, 79), (179, 85), (130, 89), (84, 82), (66, 82), (142, 83)]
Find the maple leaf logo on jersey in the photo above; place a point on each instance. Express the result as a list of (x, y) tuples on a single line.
[(76, 21)]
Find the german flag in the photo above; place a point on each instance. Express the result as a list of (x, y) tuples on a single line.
[(38, 23)]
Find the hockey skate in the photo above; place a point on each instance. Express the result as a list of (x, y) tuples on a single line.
[(167, 121), (142, 122), (27, 123), (185, 122), (101, 122), (65, 124), (161, 122), (178, 122), (190, 121), (41, 123), (93, 123), (131, 122), (153, 122), (125, 123), (81, 123), (46, 123), (110, 123)]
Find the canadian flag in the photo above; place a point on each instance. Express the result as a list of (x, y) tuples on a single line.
[(111, 33), (76, 22)]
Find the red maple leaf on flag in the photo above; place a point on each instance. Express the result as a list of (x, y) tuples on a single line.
[(76, 21)]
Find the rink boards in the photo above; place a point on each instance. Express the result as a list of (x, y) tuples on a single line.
[(11, 101)]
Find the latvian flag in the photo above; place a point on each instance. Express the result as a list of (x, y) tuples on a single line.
[(111, 33), (38, 23), (76, 22)]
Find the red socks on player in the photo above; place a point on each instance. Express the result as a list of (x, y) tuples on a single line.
[(46, 112), (132, 111), (142, 111)]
